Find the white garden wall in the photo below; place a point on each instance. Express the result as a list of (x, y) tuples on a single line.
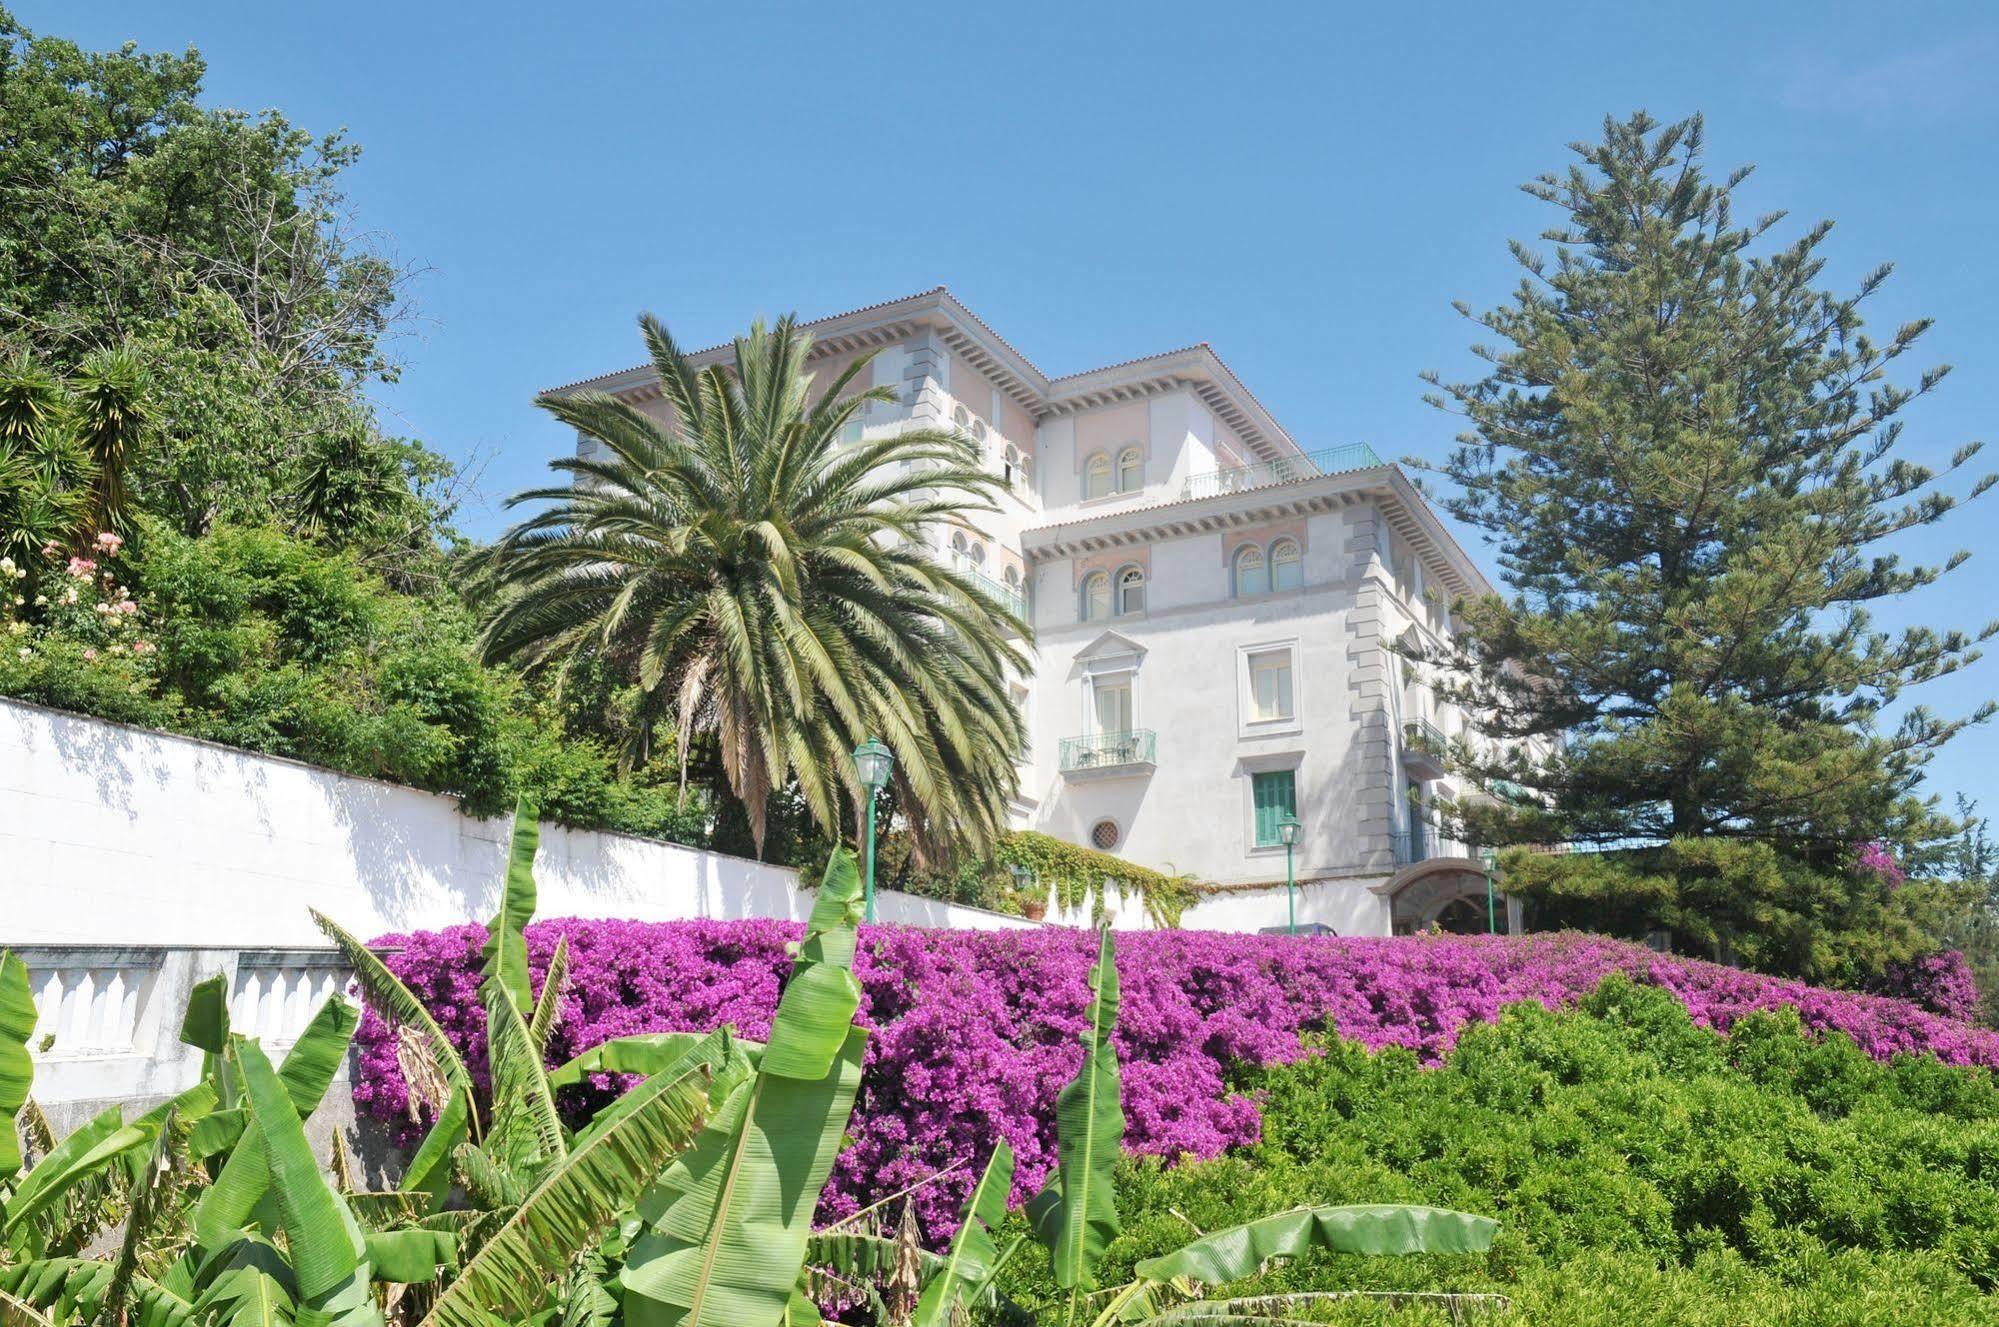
[(134, 863)]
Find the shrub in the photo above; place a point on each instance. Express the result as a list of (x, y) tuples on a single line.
[(1644, 1169), (976, 1030)]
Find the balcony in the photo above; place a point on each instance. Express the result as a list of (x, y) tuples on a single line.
[(1006, 596), (1284, 470), (1009, 597), (1107, 754), (1425, 750)]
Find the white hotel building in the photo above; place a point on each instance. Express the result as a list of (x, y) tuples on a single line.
[(1214, 610)]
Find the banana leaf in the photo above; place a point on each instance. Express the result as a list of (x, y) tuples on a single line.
[(247, 1284), (206, 1021), (506, 951), (100, 1143), (429, 1171), (396, 1002), (525, 1126), (68, 1290), (512, 1273), (17, 1067), (308, 1070), (730, 1220), (410, 1255), (821, 997), (548, 1005), (1075, 1214), (721, 1051), (324, 1245), (314, 1060), (973, 1256), (645, 1054), (1370, 1228), (153, 1186)]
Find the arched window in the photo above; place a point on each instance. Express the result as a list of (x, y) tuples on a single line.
[(1251, 575), (1011, 576), (1287, 569), (961, 417), (1130, 591), (958, 542), (1130, 471), (1012, 471), (978, 556), (1097, 476), (1096, 596)]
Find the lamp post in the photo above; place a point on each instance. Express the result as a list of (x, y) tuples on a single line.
[(1490, 860), (1287, 830), (872, 763)]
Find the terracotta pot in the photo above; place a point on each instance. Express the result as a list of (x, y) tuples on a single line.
[(1034, 909)]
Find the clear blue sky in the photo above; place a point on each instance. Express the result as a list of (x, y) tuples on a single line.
[(1307, 187)]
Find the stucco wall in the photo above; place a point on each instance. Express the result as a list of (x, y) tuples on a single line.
[(135, 863)]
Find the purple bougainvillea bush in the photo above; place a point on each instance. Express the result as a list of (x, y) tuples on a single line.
[(975, 1032)]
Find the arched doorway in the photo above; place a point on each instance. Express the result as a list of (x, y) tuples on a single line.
[(1446, 894)]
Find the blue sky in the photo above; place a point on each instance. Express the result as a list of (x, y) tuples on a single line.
[(1307, 187)]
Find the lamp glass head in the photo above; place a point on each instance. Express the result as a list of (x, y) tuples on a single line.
[(872, 763)]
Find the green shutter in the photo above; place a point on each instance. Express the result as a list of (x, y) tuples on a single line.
[(1275, 796)]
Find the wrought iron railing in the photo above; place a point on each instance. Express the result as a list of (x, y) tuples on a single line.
[(1425, 738), (1284, 470), (1109, 750)]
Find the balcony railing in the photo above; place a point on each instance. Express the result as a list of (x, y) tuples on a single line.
[(1425, 749), (1284, 470), (1006, 596), (1108, 751)]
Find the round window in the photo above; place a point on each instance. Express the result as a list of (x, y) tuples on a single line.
[(961, 417), (1104, 835)]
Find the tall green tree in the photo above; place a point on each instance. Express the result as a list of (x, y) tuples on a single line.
[(1684, 449), (771, 590)]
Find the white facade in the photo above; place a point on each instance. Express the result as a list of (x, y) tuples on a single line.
[(1214, 614)]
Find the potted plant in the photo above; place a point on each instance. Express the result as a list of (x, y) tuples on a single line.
[(1030, 893)]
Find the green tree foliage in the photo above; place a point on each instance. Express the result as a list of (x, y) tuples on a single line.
[(1645, 1172), (769, 590), (1684, 450)]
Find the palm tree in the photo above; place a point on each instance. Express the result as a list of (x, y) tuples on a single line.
[(772, 589)]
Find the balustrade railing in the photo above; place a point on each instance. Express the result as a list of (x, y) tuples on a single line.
[(1284, 470)]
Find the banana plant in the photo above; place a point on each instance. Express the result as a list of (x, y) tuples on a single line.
[(728, 1225)]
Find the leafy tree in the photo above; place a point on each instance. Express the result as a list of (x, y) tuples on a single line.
[(769, 589), (1683, 449), (65, 449)]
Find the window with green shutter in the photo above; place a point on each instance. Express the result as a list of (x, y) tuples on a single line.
[(1275, 796)]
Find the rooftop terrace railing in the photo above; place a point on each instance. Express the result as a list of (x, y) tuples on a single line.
[(1284, 470)]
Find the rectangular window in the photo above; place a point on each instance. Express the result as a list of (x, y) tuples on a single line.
[(1274, 793), (1113, 707), (1270, 686)]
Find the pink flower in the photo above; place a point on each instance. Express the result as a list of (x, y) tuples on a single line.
[(127, 607), (142, 647), (109, 542), (81, 568), (90, 653)]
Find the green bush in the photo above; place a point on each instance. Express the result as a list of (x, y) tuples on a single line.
[(258, 639), (1644, 1170)]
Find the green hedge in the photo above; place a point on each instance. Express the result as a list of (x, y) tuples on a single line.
[(1646, 1171)]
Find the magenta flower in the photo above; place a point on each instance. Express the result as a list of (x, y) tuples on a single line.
[(975, 1032)]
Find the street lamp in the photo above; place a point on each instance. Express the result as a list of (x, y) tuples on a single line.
[(1490, 860), (872, 763), (1287, 830)]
